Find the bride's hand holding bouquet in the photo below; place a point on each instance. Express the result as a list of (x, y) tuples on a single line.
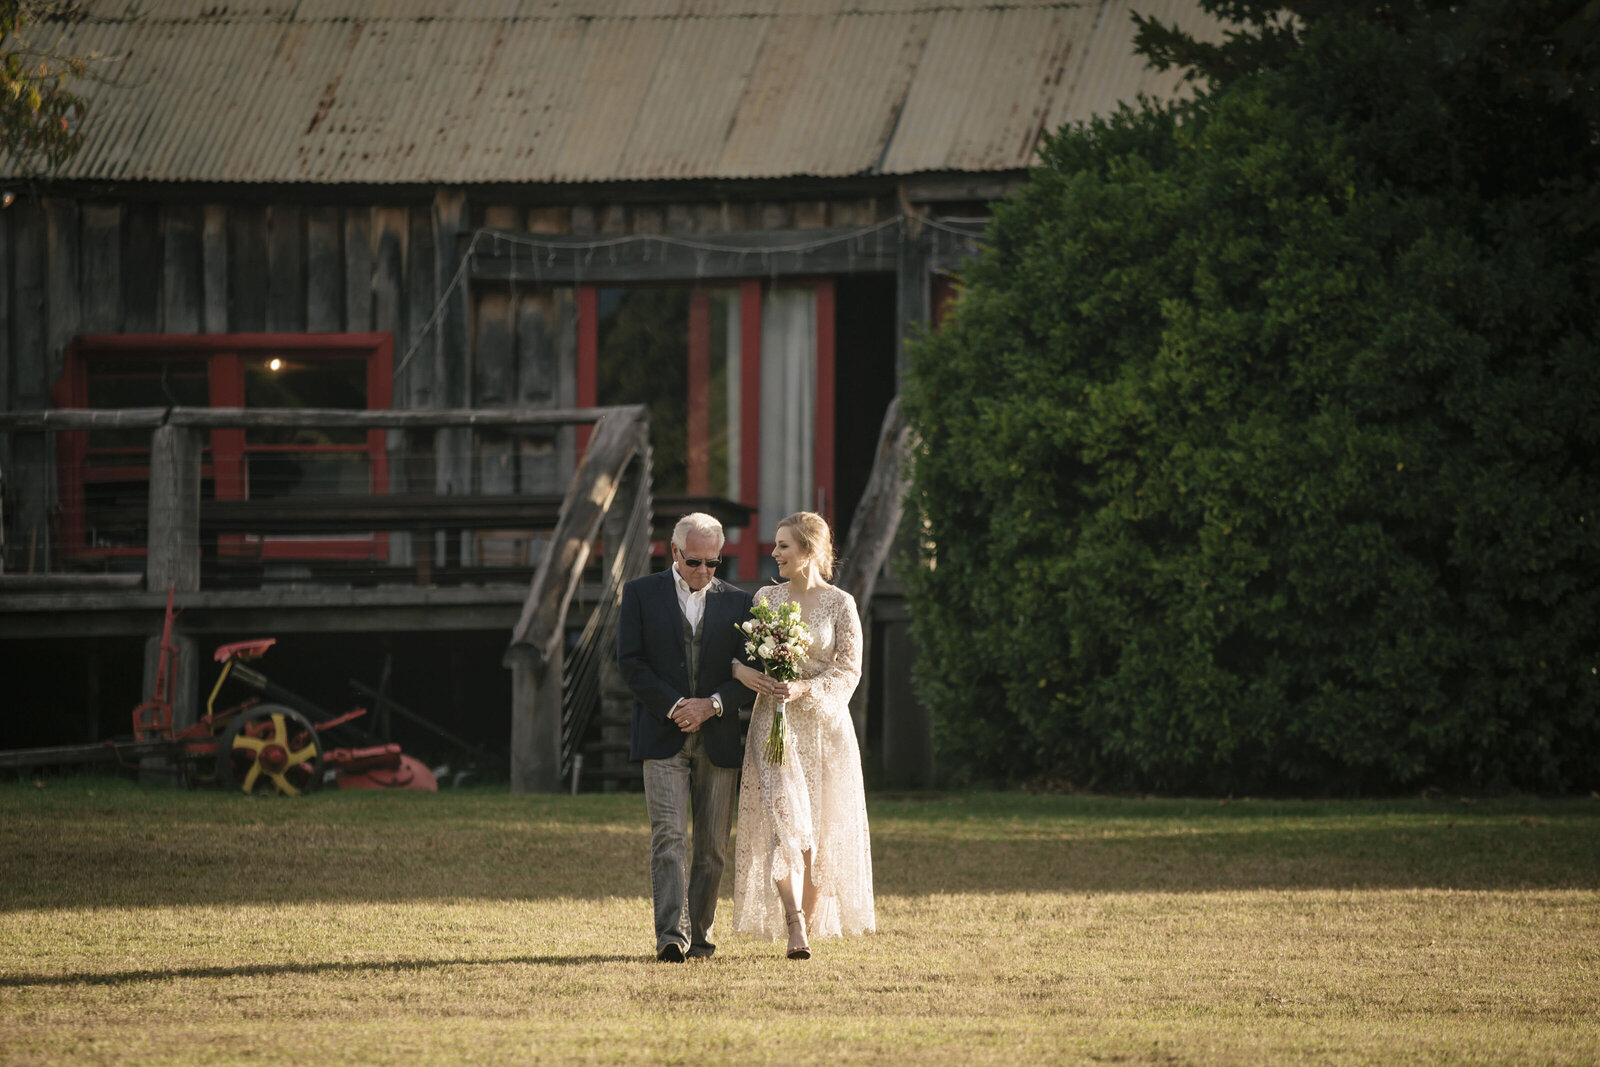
[(777, 638)]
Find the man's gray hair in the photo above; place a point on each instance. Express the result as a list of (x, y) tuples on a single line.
[(697, 522)]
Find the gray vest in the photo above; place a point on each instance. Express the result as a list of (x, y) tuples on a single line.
[(691, 648)]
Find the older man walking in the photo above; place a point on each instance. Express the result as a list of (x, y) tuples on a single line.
[(676, 645)]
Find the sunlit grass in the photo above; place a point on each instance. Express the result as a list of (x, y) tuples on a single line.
[(145, 925)]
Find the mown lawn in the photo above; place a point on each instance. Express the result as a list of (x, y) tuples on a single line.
[(148, 925)]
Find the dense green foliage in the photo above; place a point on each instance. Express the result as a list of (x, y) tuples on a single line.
[(1262, 448)]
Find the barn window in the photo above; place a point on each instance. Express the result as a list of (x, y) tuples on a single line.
[(104, 473)]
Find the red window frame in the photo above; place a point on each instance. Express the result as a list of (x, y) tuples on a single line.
[(226, 453), (750, 546)]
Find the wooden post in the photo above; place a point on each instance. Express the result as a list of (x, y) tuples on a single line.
[(174, 533), (535, 721)]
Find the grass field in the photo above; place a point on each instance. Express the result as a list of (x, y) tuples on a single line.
[(147, 925)]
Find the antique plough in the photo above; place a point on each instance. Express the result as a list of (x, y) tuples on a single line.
[(274, 742)]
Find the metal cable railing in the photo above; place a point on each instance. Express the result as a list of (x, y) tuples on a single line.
[(580, 676)]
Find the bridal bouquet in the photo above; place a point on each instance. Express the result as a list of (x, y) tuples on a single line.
[(779, 640)]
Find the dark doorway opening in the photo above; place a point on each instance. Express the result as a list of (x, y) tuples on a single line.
[(864, 384)]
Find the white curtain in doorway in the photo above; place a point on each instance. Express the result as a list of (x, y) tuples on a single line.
[(788, 403)]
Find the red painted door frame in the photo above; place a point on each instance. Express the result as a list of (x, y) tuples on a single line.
[(752, 542)]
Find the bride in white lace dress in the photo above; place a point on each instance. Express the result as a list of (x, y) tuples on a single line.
[(803, 861)]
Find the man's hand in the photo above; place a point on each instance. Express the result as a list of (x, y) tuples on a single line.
[(691, 712)]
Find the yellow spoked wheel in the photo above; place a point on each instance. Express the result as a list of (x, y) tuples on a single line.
[(270, 749)]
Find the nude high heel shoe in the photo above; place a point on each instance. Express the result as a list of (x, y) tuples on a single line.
[(798, 949)]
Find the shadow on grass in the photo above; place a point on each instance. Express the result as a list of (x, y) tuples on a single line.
[(147, 849), (163, 974)]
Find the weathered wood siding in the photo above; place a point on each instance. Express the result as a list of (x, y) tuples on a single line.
[(144, 264)]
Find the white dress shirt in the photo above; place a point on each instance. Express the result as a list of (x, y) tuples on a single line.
[(692, 601)]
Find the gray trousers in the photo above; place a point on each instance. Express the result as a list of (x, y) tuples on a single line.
[(686, 893)]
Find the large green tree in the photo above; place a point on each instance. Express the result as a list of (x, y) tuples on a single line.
[(1262, 448), (39, 113)]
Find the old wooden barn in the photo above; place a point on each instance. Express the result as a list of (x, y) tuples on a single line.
[(452, 237)]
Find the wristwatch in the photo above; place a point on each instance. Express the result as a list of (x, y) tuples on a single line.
[(716, 704)]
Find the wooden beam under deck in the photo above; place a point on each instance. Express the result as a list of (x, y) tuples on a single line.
[(265, 611)]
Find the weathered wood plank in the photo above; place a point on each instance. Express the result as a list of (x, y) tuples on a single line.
[(913, 299), (102, 268), (325, 270), (6, 390), (547, 342), (566, 388), (538, 316), (771, 215), (453, 359), (680, 219), (495, 363), (141, 268), (649, 218), (358, 270), (415, 381), (182, 267), (550, 220), (810, 214), (30, 324), (614, 219), (452, 448), (286, 269), (30, 474), (495, 383), (247, 268), (214, 270), (504, 217), (65, 308), (583, 219), (388, 281)]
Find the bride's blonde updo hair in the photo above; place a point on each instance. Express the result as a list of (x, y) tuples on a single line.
[(813, 537)]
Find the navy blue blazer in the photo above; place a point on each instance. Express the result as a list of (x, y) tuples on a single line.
[(655, 664)]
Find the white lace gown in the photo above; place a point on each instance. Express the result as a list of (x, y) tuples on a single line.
[(814, 801)]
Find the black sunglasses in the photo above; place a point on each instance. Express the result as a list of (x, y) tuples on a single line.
[(690, 561)]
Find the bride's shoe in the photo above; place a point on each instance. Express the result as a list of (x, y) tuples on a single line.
[(798, 949)]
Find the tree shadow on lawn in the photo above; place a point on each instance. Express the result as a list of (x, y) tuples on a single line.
[(291, 852), (260, 970), (1540, 854)]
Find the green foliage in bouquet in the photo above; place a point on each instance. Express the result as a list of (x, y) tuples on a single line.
[(1261, 450)]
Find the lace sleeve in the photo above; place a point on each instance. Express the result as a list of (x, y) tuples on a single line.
[(834, 684)]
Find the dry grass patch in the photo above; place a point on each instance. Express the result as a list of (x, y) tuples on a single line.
[(142, 925)]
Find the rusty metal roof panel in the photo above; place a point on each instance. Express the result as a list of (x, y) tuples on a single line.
[(1109, 72), (376, 91)]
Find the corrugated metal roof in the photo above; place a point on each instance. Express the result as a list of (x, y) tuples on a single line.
[(465, 91)]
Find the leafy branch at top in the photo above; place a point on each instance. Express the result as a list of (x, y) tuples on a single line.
[(40, 117)]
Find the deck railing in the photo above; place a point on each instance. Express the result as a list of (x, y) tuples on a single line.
[(555, 694)]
